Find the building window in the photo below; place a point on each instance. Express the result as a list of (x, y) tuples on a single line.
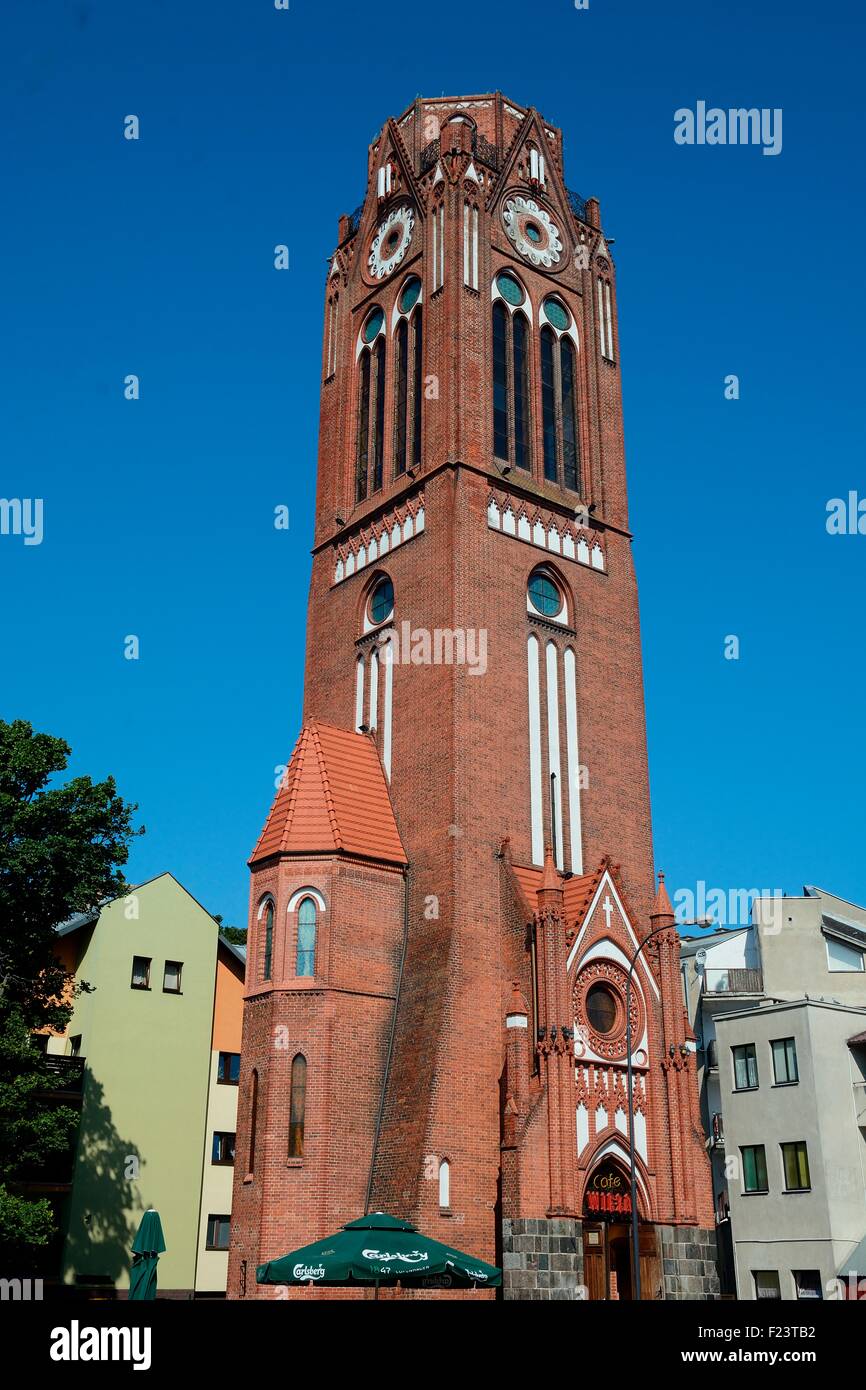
[(470, 246), (297, 1105), (218, 1232), (745, 1067), (254, 1117), (807, 1283), (601, 1008), (306, 953), (408, 392), (371, 406), (438, 226), (559, 397), (544, 595), (223, 1147), (605, 320), (754, 1168), (512, 418), (268, 955), (712, 1054), (795, 1161), (229, 1068), (141, 972), (842, 958), (74, 1045), (766, 1283), (444, 1183), (381, 602), (171, 977), (785, 1061), (333, 322)]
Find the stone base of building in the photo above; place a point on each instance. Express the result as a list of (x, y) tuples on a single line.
[(542, 1259), (689, 1262)]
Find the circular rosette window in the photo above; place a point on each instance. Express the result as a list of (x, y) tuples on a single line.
[(532, 231), (599, 1011), (391, 242)]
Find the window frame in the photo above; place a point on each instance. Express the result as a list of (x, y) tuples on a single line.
[(787, 1080), (297, 1108), (755, 1149), (304, 951), (744, 1047), (227, 1081), (774, 1273), (224, 1219), (165, 988), (223, 1134), (148, 961), (801, 1159)]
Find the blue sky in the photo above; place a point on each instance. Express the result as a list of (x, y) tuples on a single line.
[(156, 257)]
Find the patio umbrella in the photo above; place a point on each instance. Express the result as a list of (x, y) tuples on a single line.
[(378, 1249), (147, 1247)]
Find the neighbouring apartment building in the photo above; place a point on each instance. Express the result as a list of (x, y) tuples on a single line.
[(153, 1053), (779, 1012)]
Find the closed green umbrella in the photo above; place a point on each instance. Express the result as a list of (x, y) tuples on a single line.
[(378, 1249), (147, 1247)]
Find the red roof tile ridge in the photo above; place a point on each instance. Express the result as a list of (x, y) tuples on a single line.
[(315, 730)]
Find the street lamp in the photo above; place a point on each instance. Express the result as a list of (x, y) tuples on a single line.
[(635, 1244)]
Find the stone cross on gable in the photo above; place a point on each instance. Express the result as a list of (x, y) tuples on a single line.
[(607, 908)]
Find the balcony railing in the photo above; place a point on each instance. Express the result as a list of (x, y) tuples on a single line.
[(64, 1073), (720, 981)]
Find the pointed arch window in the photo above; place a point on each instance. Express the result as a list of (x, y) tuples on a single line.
[(254, 1117), (305, 959), (297, 1105), (268, 946), (444, 1183), (560, 420), (371, 405), (409, 380), (333, 324), (512, 423)]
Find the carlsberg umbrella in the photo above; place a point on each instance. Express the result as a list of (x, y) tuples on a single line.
[(147, 1247), (378, 1249)]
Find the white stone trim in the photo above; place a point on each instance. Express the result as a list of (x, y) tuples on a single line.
[(302, 893), (535, 802), (556, 536)]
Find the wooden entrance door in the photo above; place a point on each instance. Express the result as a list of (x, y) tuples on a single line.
[(595, 1261)]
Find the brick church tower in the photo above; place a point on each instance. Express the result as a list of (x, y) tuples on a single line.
[(458, 868)]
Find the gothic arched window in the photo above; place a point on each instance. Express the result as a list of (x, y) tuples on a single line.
[(560, 421), (254, 1116), (512, 425), (297, 1105), (306, 953), (371, 405), (268, 945), (408, 392)]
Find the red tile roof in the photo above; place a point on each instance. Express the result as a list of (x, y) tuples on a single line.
[(334, 798), (577, 891)]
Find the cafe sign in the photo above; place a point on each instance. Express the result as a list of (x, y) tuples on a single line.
[(607, 1193)]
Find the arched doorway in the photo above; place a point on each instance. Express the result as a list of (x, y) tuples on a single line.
[(606, 1217)]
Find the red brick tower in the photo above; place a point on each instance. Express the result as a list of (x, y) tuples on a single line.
[(473, 696)]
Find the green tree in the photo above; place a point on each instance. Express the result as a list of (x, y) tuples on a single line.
[(61, 850)]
